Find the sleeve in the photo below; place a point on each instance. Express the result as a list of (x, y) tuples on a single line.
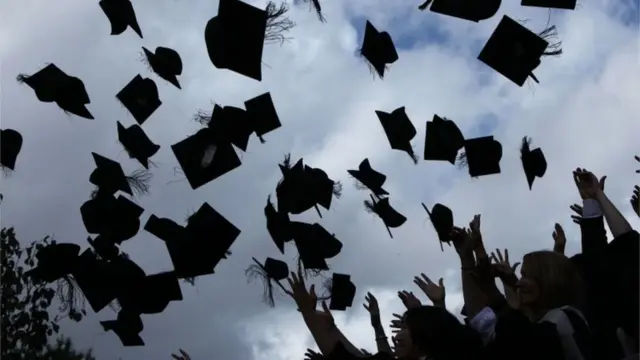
[(622, 271), (594, 235), (484, 323)]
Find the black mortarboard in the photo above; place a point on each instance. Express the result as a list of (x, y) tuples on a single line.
[(278, 225), (235, 38), (343, 291), (309, 249), (104, 246), (292, 191), (378, 49), (271, 270), (328, 245), (140, 97), (126, 220), (165, 229), (443, 140), (97, 213), (127, 327), (153, 293), (213, 233), (166, 63), (121, 15), (370, 178), (93, 277), (55, 261), (464, 9), (554, 4), (382, 208), (321, 187), (533, 161), (109, 176), (483, 156), (399, 130), (263, 114), (11, 144), (513, 50), (230, 124), (53, 85), (442, 219), (276, 269), (202, 159), (137, 143)]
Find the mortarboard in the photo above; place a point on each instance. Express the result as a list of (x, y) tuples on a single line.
[(140, 97), (443, 140), (97, 213), (104, 246), (382, 208), (533, 161), (309, 249), (262, 114), (399, 130), (11, 143), (166, 63), (370, 178), (482, 156), (213, 232), (109, 176), (278, 225), (153, 293), (464, 9), (343, 291), (53, 85), (292, 191), (271, 270), (165, 229), (321, 187), (513, 50), (93, 277), (121, 15), (54, 261), (553, 4), (116, 219), (442, 219), (378, 49), (137, 143), (192, 151), (127, 327), (235, 38), (230, 124)]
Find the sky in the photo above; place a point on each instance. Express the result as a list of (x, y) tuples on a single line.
[(584, 113)]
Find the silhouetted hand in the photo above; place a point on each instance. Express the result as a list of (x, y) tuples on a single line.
[(435, 292), (503, 269), (559, 239), (396, 324), (409, 300), (635, 200), (588, 184), (312, 355), (577, 209), (371, 306), (462, 240), (306, 300), (325, 317), (476, 237), (183, 355)]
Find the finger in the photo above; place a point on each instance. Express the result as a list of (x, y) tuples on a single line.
[(637, 158), (576, 220), (325, 308), (426, 278), (506, 255), (499, 255), (184, 353), (312, 290), (575, 177), (441, 282), (291, 283), (399, 317), (493, 258), (294, 277), (366, 307), (176, 357), (560, 230), (420, 283), (602, 180), (515, 266)]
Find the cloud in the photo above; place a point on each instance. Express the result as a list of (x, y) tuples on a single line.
[(583, 113)]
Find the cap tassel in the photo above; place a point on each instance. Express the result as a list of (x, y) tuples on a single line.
[(254, 272), (462, 160), (139, 181), (277, 23), (337, 189), (262, 140), (554, 49), (413, 156), (318, 210), (526, 145), (318, 8), (372, 69), (191, 280), (425, 5), (358, 184), (143, 58), (70, 302), (202, 117), (22, 78)]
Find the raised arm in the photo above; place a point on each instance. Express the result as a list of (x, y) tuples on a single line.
[(371, 305)]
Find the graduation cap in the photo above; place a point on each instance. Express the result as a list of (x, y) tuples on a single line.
[(93, 277), (137, 143), (554, 4), (54, 262), (121, 15), (202, 159), (153, 293), (292, 190), (53, 85), (263, 115), (109, 176), (104, 246), (166, 63), (378, 49), (231, 124), (369, 178), (314, 246), (165, 229), (97, 213), (278, 225), (127, 327), (382, 208), (443, 140), (442, 219), (513, 50), (321, 187), (482, 156), (533, 161), (213, 232), (140, 97), (11, 144), (271, 271), (399, 130), (463, 9), (235, 38), (343, 291)]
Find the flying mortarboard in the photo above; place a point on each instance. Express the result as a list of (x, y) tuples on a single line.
[(54, 262), (443, 140), (53, 85), (109, 177), (104, 247), (271, 270), (153, 293), (140, 97), (533, 161), (399, 130), (442, 219), (513, 50), (370, 178), (93, 277), (292, 191), (343, 291), (116, 219), (166, 63), (121, 15), (165, 229), (137, 143), (554, 4), (235, 38), (127, 327), (483, 156), (464, 9), (378, 49), (263, 114), (11, 144), (321, 187), (231, 124), (310, 247), (382, 208), (202, 159), (278, 225)]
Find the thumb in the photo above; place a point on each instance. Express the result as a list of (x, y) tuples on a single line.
[(602, 180), (325, 308), (441, 282), (515, 266), (312, 290)]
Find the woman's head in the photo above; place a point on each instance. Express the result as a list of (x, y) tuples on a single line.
[(434, 332), (548, 280)]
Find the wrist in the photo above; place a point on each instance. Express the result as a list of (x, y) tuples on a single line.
[(439, 303), (599, 196)]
